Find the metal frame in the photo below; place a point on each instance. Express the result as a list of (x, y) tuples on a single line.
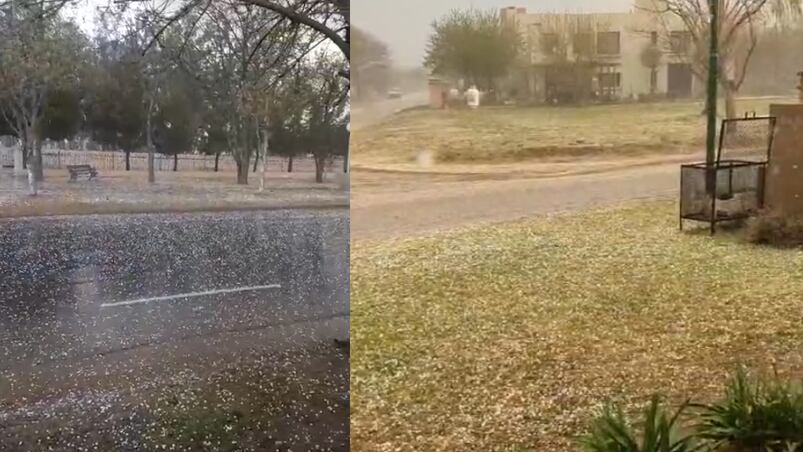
[(771, 120), (728, 165)]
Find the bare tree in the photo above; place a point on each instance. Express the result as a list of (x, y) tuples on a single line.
[(39, 54), (326, 132), (328, 18), (651, 57), (739, 23), (239, 53), (568, 43), (776, 61), (370, 64)]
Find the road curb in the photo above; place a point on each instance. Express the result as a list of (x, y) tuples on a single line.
[(192, 209), (524, 174)]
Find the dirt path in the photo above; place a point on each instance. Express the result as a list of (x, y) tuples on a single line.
[(408, 207)]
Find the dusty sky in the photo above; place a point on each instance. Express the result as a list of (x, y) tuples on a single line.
[(405, 24)]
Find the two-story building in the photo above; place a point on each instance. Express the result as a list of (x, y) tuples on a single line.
[(574, 57)]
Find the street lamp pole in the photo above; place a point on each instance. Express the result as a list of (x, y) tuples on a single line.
[(713, 68)]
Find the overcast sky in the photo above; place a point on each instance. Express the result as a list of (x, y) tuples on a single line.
[(84, 12), (405, 24)]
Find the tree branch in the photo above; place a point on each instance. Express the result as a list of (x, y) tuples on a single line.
[(303, 19)]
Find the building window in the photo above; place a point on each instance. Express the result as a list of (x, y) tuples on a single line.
[(654, 37), (583, 43), (679, 41), (608, 43), (610, 80), (549, 43)]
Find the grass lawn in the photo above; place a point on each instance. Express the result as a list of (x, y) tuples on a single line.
[(510, 337), (510, 134)]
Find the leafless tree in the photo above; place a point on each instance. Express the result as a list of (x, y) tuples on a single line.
[(739, 24), (39, 53), (239, 53), (370, 64), (327, 106), (329, 18), (568, 42)]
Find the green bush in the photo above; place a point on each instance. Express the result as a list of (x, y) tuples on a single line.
[(755, 415), (775, 230), (658, 432)]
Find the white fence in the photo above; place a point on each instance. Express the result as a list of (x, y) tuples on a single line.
[(109, 160)]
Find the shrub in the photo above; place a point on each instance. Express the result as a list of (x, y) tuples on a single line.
[(755, 415), (775, 230), (658, 432)]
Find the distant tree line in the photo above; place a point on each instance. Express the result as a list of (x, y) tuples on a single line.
[(241, 78)]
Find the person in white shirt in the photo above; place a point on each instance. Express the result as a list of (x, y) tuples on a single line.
[(473, 97)]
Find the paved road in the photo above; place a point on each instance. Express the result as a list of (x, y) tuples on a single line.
[(145, 295), (453, 204), (364, 115)]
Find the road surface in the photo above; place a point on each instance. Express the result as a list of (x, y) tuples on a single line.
[(364, 115), (431, 207), (126, 302)]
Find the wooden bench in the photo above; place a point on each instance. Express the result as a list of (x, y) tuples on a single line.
[(79, 170)]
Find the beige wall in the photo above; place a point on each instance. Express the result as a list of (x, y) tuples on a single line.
[(634, 28)]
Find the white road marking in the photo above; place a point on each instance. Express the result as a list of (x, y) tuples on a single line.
[(191, 295)]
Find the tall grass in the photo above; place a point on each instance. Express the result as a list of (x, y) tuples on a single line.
[(755, 415), (659, 432)]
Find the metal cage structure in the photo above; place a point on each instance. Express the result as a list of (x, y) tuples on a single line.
[(738, 174)]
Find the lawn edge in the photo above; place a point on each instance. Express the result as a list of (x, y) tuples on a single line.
[(87, 209)]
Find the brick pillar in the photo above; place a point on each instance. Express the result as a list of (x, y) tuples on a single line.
[(800, 86), (784, 183)]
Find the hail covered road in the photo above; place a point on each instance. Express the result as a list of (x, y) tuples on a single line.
[(135, 300)]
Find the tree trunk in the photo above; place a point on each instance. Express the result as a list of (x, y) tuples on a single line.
[(175, 162), (149, 136), (242, 173), (151, 165), (730, 102), (217, 159), (19, 159), (256, 161), (33, 185), (290, 164), (33, 154), (128, 160), (39, 171), (264, 145), (319, 166)]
